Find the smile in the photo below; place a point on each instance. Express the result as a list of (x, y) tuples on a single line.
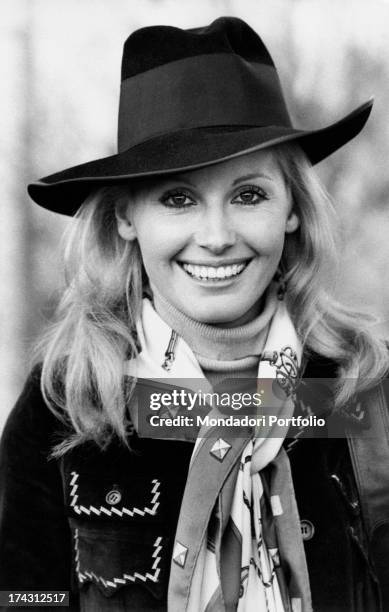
[(214, 273)]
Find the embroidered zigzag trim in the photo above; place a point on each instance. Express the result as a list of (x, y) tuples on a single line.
[(124, 578), (152, 509)]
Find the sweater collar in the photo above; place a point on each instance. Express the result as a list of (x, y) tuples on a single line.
[(211, 342)]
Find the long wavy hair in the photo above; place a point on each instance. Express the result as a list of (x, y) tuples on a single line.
[(85, 348)]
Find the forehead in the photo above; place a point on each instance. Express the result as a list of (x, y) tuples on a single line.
[(259, 162)]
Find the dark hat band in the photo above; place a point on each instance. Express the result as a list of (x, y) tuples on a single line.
[(201, 91)]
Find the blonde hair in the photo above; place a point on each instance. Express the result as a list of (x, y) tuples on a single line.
[(85, 348), (311, 260)]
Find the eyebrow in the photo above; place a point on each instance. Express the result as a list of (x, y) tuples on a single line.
[(247, 177)]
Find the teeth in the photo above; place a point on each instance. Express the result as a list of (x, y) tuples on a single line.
[(213, 272)]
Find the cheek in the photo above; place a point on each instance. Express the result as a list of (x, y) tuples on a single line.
[(158, 243), (268, 240)]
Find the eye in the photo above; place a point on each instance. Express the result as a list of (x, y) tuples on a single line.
[(177, 198), (250, 195)]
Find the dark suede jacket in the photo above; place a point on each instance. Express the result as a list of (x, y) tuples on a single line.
[(101, 524)]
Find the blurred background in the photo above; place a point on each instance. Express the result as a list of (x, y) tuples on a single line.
[(60, 73)]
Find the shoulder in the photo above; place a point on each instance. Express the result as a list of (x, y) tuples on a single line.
[(30, 422)]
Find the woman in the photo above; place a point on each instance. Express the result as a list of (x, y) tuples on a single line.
[(199, 253)]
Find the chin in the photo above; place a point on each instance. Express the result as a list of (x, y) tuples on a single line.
[(213, 316)]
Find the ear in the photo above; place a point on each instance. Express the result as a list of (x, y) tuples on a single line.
[(125, 228), (292, 223)]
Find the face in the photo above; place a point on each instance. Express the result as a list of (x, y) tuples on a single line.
[(211, 239)]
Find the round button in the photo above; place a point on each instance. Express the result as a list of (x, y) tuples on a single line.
[(307, 529), (113, 497)]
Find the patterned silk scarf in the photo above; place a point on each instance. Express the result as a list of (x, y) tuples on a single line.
[(238, 544)]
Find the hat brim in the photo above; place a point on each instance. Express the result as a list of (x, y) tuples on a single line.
[(185, 150)]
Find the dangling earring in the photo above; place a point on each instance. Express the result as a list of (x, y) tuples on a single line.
[(279, 278)]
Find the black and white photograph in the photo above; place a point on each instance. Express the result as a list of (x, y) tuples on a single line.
[(194, 305)]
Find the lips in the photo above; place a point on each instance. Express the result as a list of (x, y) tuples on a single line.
[(214, 273)]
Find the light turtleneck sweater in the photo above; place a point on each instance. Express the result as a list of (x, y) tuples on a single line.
[(221, 350)]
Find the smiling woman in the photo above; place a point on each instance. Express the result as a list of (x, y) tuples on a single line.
[(199, 258)]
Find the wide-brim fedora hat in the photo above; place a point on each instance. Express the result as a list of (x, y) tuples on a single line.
[(192, 98)]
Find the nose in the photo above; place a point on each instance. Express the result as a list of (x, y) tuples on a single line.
[(215, 231)]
